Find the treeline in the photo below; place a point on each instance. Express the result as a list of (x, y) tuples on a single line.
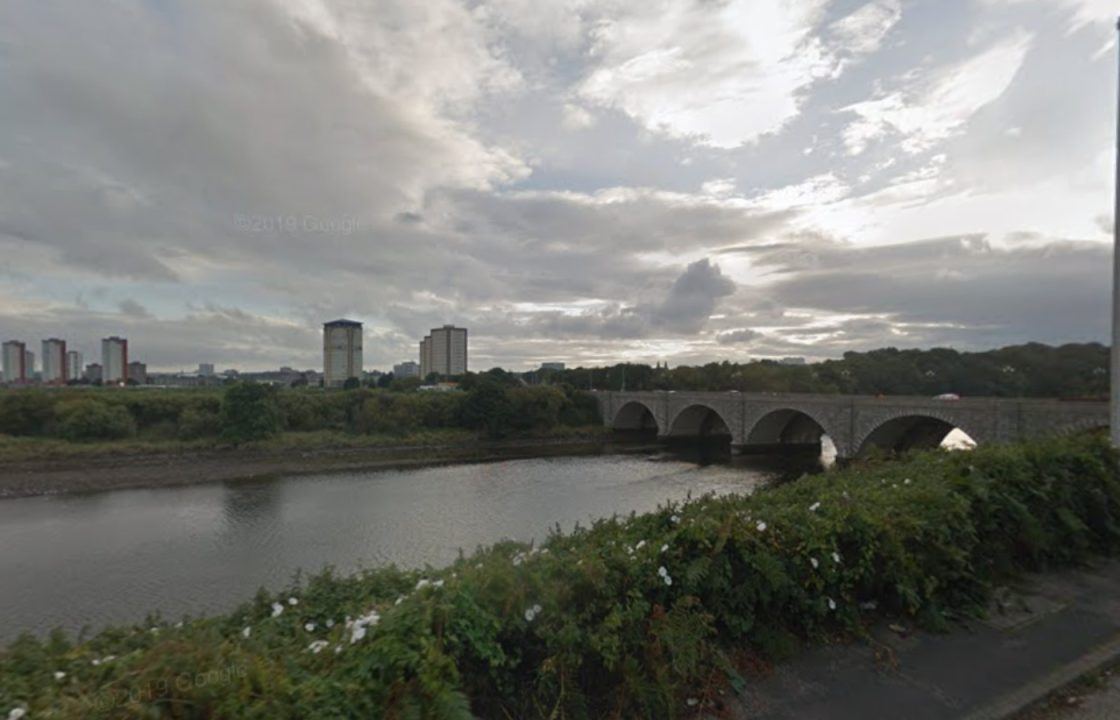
[(242, 412), (1032, 370)]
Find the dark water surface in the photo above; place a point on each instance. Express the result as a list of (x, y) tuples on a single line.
[(113, 557)]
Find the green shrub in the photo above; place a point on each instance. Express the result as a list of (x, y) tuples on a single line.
[(249, 412), (25, 412), (88, 419), (198, 421), (628, 618)]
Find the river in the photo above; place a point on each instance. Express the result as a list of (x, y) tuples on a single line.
[(112, 557)]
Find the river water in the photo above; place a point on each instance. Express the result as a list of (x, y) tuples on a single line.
[(113, 557)]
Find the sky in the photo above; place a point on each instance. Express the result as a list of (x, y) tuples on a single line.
[(579, 181)]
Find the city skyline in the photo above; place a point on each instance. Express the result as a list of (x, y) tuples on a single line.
[(678, 181)]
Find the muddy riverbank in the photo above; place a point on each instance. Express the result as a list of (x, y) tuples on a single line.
[(147, 470)]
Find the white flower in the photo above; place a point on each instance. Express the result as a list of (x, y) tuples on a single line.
[(869, 605), (814, 506), (16, 713), (664, 547), (318, 646), (675, 519), (668, 580), (662, 571), (337, 649), (641, 544), (516, 560), (544, 551), (277, 609), (836, 557), (95, 662), (246, 632), (108, 658), (358, 633), (906, 481), (692, 702), (530, 614), (831, 604), (399, 600), (761, 526), (423, 583), (59, 675), (438, 583), (293, 601), (309, 627), (330, 624), (814, 562)]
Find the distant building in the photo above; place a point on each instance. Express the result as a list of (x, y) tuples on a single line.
[(29, 365), (54, 361), (93, 372), (138, 372), (206, 369), (74, 362), (792, 361), (406, 369), (552, 366), (444, 352), (15, 368), (342, 352), (114, 360)]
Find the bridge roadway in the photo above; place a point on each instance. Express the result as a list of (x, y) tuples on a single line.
[(855, 423)]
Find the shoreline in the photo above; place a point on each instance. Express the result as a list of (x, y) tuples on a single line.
[(35, 478)]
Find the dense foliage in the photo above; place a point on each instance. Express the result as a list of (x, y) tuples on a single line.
[(1032, 370), (245, 412), (643, 616)]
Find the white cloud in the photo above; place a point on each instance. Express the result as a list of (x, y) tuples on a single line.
[(723, 73), (863, 31), (943, 102)]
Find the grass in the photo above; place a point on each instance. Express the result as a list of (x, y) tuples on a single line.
[(637, 616)]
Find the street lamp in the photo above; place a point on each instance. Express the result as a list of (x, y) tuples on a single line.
[(1114, 380)]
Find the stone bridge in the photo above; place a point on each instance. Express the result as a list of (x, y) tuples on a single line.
[(855, 423)]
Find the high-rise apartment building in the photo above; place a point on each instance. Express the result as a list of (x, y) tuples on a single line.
[(342, 352), (29, 365), (74, 364), (15, 369), (206, 369), (114, 360), (93, 372), (54, 361), (444, 352)]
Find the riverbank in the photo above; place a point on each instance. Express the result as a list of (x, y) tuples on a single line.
[(34, 467), (651, 615)]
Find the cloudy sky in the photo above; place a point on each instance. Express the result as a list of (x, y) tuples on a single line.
[(583, 181)]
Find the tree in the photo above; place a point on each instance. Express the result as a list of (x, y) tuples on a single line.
[(352, 383), (249, 412), (488, 408)]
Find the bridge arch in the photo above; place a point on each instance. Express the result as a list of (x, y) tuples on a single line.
[(911, 431), (636, 415), (786, 426), (699, 420)]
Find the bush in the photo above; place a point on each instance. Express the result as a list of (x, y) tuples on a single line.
[(628, 618), (89, 419), (489, 409), (198, 421), (25, 412), (249, 412)]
